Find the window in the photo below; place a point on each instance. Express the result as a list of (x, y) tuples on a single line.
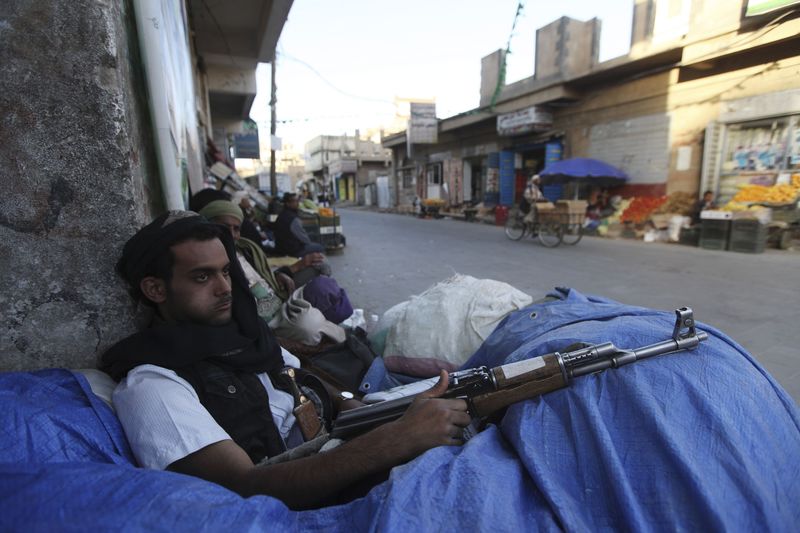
[(408, 178), (434, 174)]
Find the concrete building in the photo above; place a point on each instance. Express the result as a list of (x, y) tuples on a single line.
[(707, 97), (289, 167), (107, 110), (355, 169)]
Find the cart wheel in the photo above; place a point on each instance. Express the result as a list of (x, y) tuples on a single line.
[(572, 233), (515, 227), (550, 234)]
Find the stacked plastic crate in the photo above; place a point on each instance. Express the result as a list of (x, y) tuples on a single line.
[(748, 235), (715, 230)]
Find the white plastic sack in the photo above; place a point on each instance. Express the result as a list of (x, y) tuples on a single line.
[(675, 224), (445, 325)]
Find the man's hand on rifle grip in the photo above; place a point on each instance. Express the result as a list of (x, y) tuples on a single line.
[(432, 421)]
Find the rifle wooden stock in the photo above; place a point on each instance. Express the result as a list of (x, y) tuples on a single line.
[(514, 384)]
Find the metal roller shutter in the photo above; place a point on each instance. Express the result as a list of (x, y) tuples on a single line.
[(639, 146)]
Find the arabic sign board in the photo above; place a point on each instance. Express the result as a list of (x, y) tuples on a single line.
[(525, 120), (341, 166), (246, 146), (283, 180), (423, 127)]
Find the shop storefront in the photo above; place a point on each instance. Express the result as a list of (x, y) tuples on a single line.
[(758, 152), (532, 146), (453, 181), (473, 177), (531, 158), (344, 175), (756, 141), (433, 181), (346, 187)]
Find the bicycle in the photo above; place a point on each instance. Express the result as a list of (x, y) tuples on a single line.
[(572, 233), (549, 232)]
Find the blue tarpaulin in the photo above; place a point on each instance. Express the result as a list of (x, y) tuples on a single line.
[(694, 441)]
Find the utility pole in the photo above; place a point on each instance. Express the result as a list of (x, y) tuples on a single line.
[(273, 179)]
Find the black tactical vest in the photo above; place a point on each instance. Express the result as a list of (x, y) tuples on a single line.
[(239, 403)]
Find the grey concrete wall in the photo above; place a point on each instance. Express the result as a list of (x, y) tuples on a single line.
[(78, 177), (566, 48), (644, 14), (490, 75)]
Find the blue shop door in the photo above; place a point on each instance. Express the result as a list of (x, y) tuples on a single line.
[(506, 177), (552, 153)]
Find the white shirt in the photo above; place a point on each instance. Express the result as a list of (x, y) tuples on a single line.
[(532, 193), (164, 420)]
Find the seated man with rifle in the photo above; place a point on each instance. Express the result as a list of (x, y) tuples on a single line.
[(195, 384), (205, 391)]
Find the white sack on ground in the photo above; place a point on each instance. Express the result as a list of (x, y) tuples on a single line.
[(443, 326)]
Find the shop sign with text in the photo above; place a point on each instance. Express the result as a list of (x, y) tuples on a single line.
[(533, 118), (423, 127)]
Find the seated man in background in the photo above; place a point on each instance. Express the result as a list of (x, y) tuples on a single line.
[(195, 383), (299, 273), (249, 228), (290, 237), (706, 202), (269, 288), (273, 290)]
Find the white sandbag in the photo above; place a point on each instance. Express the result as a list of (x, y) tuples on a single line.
[(445, 325)]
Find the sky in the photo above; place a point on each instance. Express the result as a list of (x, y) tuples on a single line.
[(340, 64)]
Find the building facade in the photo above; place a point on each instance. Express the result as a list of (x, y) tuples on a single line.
[(707, 98), (352, 168)]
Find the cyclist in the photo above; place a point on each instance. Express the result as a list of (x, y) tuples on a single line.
[(532, 195)]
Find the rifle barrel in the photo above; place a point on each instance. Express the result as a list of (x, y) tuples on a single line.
[(624, 357)]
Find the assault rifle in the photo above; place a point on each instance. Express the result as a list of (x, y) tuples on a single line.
[(489, 390)]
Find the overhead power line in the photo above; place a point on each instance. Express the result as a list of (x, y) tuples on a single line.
[(331, 85)]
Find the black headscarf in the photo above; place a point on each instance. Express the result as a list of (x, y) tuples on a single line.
[(245, 344)]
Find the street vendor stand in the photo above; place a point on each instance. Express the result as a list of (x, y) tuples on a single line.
[(762, 214), (583, 171), (324, 227), (578, 171)]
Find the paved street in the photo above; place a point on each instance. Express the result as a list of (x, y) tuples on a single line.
[(753, 298)]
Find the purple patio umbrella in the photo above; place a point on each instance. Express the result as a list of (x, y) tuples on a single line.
[(585, 170)]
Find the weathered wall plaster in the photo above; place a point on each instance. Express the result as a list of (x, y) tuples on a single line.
[(78, 177)]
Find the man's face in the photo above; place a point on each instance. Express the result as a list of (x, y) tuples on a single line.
[(200, 289), (708, 197), (294, 203), (232, 223)]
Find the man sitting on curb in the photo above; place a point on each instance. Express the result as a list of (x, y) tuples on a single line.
[(290, 237), (195, 384)]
